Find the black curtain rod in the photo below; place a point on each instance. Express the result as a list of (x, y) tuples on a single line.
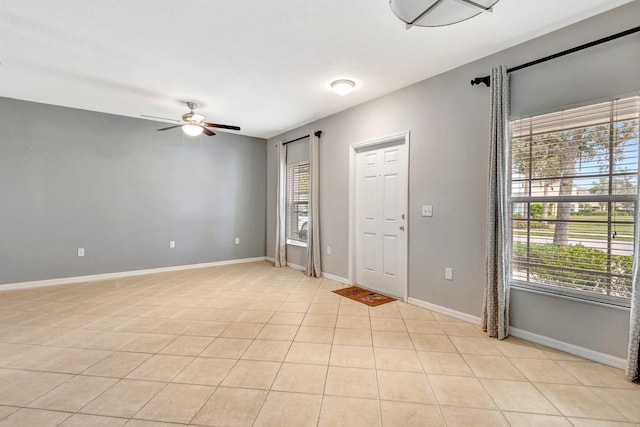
[(317, 133), (487, 79)]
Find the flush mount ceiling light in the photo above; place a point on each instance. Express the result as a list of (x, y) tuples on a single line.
[(343, 86), (436, 13)]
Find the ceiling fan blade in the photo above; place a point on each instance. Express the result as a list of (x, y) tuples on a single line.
[(161, 118), (171, 127), (215, 125), (207, 131)]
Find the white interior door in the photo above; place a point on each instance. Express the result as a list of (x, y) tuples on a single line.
[(381, 218)]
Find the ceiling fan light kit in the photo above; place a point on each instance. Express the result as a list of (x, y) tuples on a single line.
[(192, 130), (436, 13)]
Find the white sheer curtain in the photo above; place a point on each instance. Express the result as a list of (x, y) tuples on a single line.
[(495, 313), (313, 235), (281, 208), (633, 364)]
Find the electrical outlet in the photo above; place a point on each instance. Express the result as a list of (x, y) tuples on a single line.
[(237, 240), (172, 244), (427, 210), (80, 251), (328, 250), (448, 273)]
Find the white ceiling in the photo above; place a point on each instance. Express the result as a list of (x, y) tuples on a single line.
[(264, 65)]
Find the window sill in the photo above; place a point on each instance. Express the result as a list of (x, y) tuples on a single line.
[(614, 303), (297, 243)]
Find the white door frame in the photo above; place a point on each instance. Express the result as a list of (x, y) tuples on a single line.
[(353, 167)]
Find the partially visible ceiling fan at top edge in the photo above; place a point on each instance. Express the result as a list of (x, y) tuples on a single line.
[(193, 124)]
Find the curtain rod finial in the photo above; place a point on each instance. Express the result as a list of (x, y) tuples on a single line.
[(318, 133), (486, 80)]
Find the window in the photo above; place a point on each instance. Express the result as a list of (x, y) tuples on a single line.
[(574, 192), (298, 203)]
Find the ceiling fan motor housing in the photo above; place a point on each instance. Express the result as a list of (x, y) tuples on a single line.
[(192, 117)]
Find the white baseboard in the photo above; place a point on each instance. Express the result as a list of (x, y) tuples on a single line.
[(325, 275), (336, 278), (289, 264), (603, 358), (117, 275), (296, 266), (444, 310), (596, 356)]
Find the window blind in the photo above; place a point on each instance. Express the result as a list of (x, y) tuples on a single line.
[(298, 202), (574, 192)]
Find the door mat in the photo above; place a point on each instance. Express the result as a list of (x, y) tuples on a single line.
[(364, 296)]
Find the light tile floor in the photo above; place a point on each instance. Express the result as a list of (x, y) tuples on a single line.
[(250, 345)]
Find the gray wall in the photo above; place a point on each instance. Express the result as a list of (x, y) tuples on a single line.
[(449, 124), (113, 185)]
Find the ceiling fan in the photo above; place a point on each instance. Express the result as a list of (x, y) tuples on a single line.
[(193, 124)]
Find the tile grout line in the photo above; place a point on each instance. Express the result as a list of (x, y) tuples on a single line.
[(375, 372), (255, 419), (426, 376)]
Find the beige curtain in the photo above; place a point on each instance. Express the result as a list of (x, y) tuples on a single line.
[(633, 364), (495, 313), (281, 208), (313, 235)]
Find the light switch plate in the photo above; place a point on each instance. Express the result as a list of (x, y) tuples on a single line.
[(172, 244), (448, 273), (427, 210), (80, 251)]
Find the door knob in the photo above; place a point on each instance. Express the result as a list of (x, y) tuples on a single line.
[(402, 227)]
